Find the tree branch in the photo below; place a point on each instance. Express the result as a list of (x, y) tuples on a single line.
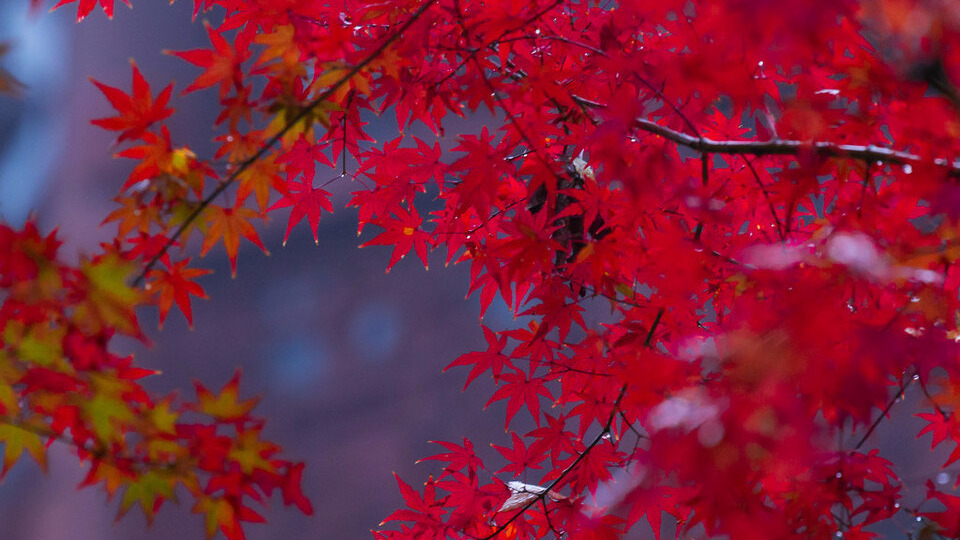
[(886, 410), (868, 153)]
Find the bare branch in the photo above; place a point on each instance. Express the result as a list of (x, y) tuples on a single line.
[(869, 153)]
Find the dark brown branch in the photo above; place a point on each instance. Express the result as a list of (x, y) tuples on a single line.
[(247, 163), (886, 410), (784, 147), (943, 414), (869, 153)]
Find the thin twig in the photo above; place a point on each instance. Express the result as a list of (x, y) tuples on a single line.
[(939, 409), (886, 410)]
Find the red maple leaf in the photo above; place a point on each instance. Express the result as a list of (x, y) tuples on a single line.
[(307, 202), (942, 428), (176, 285), (491, 359), (458, 457), (137, 110), (86, 6), (519, 390), (425, 511), (520, 458), (221, 65), (402, 231)]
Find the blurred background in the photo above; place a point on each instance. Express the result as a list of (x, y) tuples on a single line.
[(347, 360)]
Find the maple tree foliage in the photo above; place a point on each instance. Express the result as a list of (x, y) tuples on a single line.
[(762, 196)]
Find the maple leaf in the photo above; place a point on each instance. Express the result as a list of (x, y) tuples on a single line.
[(292, 493), (224, 406), (258, 179), (948, 519), (84, 7), (108, 299), (230, 224), (132, 216), (302, 158), (176, 285), (163, 417), (112, 476), (251, 453), (522, 493), (520, 390), (109, 415), (201, 6), (403, 233), (221, 65), (148, 490), (137, 110), (553, 437), (307, 202), (425, 511), (942, 429), (491, 359), (458, 457), (520, 458), (595, 467), (280, 44), (221, 515), (15, 440)]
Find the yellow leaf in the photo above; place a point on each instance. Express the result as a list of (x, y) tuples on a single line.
[(109, 416), (38, 344), (164, 420)]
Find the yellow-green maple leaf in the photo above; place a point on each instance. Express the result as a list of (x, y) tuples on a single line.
[(251, 453), (149, 490), (109, 301)]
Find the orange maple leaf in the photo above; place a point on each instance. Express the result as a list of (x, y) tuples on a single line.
[(176, 285), (230, 224), (224, 406)]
